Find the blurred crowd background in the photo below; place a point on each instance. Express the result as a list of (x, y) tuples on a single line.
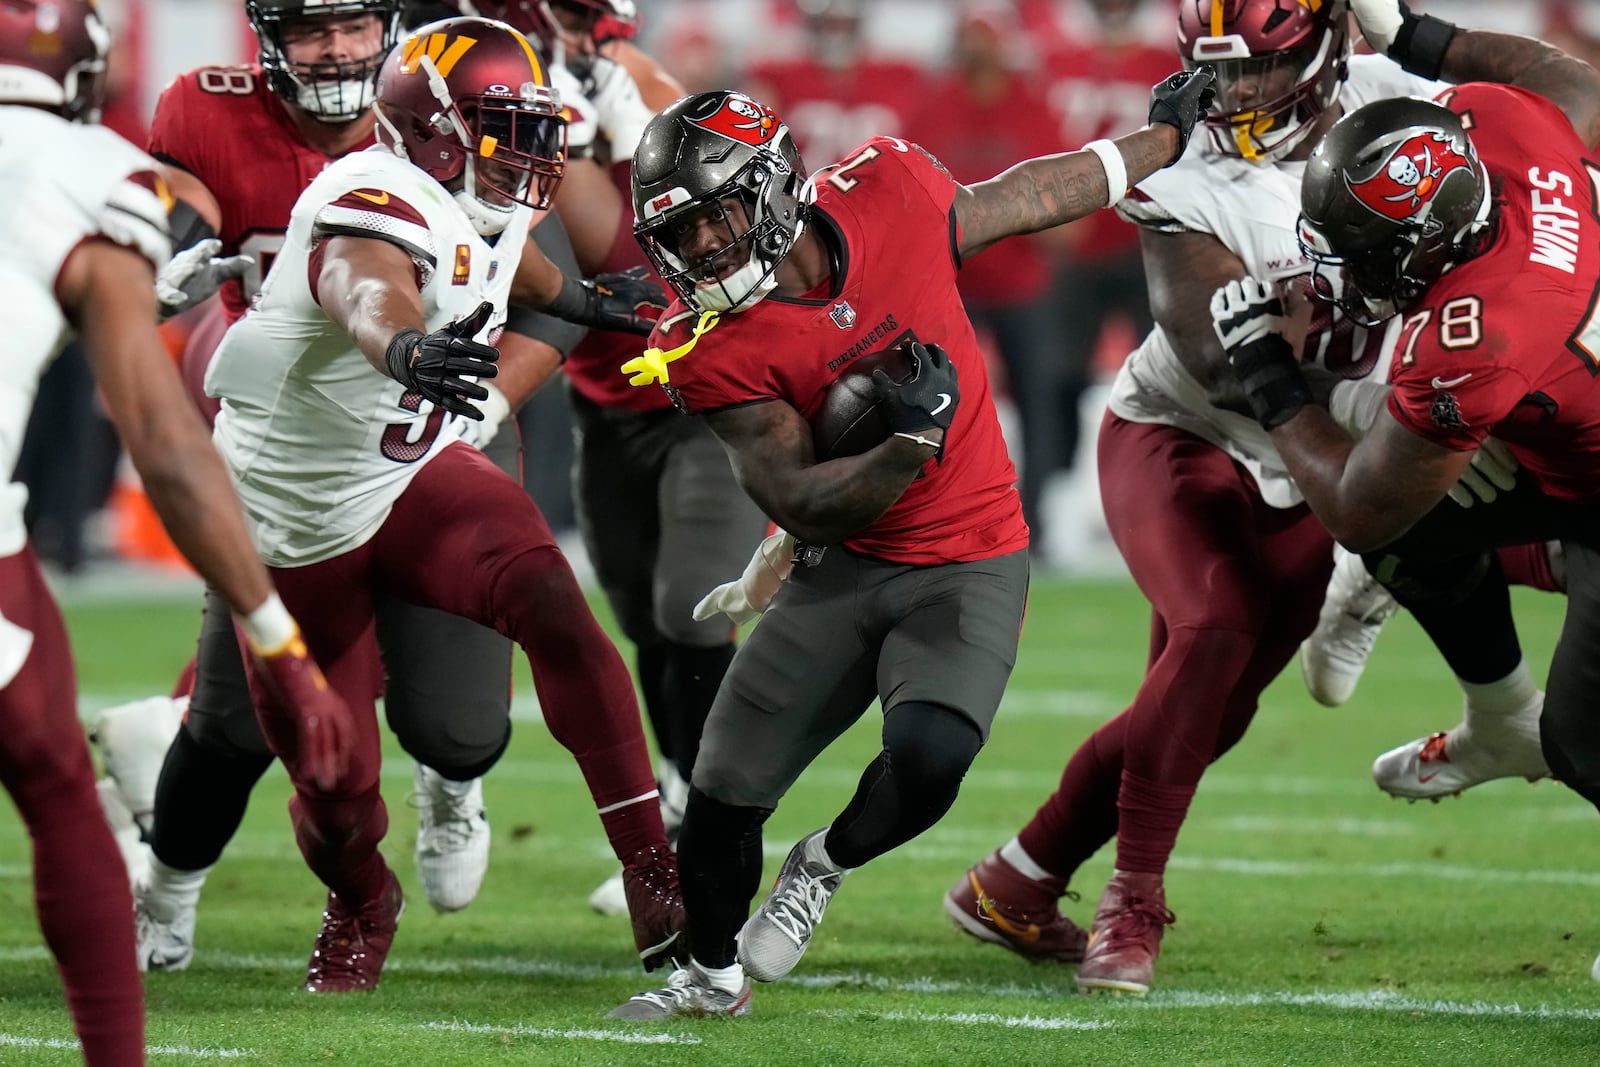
[(980, 83)]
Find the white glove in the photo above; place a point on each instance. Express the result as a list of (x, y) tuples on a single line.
[(1494, 470), (1247, 310), (763, 576), (1380, 22), (496, 409), (622, 112), (194, 274)]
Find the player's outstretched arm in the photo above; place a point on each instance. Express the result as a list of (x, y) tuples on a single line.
[(1047, 191), (773, 457), (108, 293), (1434, 48)]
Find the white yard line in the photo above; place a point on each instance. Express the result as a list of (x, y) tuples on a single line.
[(973, 1018), (621, 1036), (1174, 999), (17, 1041)]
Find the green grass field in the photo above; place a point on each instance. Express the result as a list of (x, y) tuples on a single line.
[(1319, 922)]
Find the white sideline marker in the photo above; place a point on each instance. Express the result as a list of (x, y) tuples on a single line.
[(626, 1038)]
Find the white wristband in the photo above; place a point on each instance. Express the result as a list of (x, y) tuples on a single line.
[(270, 627), (1116, 170)]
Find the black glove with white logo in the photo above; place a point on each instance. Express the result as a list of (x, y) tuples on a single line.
[(629, 301), (1181, 100), (928, 400), (1249, 319), (437, 364)]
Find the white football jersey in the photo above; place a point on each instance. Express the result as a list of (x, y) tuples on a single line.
[(320, 443), (61, 183), (1253, 210)]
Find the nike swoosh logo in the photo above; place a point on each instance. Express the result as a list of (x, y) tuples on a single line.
[(944, 402), (381, 199), (1424, 779), (1440, 383)]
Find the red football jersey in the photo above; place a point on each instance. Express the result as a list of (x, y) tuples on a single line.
[(1508, 343), (592, 365), (830, 111), (227, 128), (889, 206)]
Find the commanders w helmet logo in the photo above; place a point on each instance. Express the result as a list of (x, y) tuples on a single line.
[(740, 119), (1409, 179), (434, 46)]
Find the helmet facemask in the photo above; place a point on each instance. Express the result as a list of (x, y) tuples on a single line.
[(768, 197), (512, 148), (1280, 67), (330, 92)]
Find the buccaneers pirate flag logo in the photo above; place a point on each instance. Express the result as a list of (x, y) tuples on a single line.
[(1412, 175), (741, 119)]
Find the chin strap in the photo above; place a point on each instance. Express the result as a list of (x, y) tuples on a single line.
[(651, 366)]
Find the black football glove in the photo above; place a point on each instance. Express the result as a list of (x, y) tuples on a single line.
[(437, 364), (629, 301), (928, 400), (1249, 320), (1181, 100)]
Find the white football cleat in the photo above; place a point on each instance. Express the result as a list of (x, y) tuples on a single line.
[(164, 927), (1594, 972), (610, 897), (1354, 610), (452, 839), (777, 935), (1444, 764), (133, 740), (130, 842)]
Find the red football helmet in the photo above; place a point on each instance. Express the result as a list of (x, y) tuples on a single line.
[(1280, 64), (470, 97), (53, 55)]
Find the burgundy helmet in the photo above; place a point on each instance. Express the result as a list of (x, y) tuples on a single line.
[(1280, 64), (53, 55), (470, 96), (531, 18)]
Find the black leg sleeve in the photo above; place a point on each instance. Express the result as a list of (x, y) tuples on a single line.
[(719, 861)]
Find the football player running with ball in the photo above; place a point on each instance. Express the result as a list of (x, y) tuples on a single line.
[(909, 589), (342, 393)]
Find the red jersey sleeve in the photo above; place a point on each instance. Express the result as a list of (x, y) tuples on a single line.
[(172, 138), (1448, 387)]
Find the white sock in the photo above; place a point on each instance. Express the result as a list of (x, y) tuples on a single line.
[(816, 850), (1512, 693), (1013, 853), (729, 979), (171, 890)]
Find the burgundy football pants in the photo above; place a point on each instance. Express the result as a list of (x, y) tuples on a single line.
[(80, 885), (1234, 587), (466, 539)]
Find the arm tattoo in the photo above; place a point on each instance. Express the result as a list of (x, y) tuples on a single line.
[(1047, 191), (770, 445)]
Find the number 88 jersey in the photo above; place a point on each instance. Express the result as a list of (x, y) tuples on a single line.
[(227, 128)]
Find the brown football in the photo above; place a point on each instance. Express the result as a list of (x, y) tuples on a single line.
[(850, 421)]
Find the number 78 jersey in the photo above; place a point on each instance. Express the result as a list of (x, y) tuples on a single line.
[(320, 443), (1508, 343)]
